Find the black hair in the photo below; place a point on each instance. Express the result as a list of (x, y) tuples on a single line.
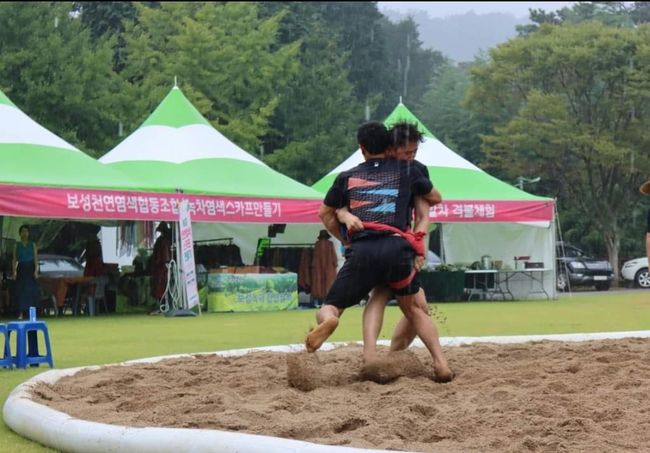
[(373, 136), (23, 226), (164, 228), (403, 133)]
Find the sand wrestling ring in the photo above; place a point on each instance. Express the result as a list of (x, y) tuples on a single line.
[(551, 393)]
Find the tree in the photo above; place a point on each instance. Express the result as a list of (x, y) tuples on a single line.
[(618, 14), (354, 64), (641, 13), (571, 104), (361, 38), (225, 57), (410, 67), (105, 19), (442, 111), (312, 128), (318, 114), (53, 70), (538, 17)]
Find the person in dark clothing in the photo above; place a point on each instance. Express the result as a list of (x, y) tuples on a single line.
[(25, 273), (94, 258), (324, 262), (160, 258), (379, 192), (405, 140)]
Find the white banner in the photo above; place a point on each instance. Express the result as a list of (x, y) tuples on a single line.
[(187, 255)]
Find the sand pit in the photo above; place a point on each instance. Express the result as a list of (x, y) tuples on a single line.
[(534, 397)]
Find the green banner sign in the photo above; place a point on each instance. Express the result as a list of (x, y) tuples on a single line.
[(252, 292)]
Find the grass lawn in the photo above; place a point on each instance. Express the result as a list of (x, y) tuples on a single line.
[(108, 339)]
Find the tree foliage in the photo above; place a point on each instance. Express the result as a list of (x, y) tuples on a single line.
[(105, 19), (224, 56), (53, 70), (290, 81), (617, 14), (306, 149), (354, 65), (571, 104), (441, 109), (313, 127), (359, 35), (410, 67)]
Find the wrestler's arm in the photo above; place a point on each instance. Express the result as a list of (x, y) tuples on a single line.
[(433, 197), (352, 222), (336, 198), (421, 215), (327, 215)]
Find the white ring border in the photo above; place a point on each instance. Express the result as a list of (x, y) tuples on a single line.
[(60, 431)]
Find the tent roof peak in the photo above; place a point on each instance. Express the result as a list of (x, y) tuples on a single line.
[(402, 113), (175, 110), (4, 100)]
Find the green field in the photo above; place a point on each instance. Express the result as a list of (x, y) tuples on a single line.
[(108, 339)]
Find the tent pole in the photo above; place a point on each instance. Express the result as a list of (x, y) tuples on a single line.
[(554, 253), (181, 294), (559, 233), (443, 258)]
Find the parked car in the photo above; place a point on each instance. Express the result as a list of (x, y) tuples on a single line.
[(51, 267), (55, 266), (576, 268), (636, 270)]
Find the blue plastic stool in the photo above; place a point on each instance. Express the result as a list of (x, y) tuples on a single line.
[(27, 343), (6, 360)]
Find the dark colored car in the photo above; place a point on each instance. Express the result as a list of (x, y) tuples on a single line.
[(576, 268)]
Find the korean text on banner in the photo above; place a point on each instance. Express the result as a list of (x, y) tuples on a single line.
[(187, 255)]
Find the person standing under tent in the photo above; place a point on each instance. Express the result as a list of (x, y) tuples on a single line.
[(160, 259), (324, 262), (94, 264), (94, 259), (25, 272)]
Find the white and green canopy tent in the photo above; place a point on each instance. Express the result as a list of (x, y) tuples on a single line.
[(480, 214), (232, 193), (44, 177), (31, 157)]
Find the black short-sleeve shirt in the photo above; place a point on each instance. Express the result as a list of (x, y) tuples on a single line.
[(380, 191), (420, 166), (425, 171), (648, 226)]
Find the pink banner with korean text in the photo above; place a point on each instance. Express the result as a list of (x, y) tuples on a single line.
[(187, 256), (26, 201), (492, 211)]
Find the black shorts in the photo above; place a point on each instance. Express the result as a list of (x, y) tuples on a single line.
[(383, 260)]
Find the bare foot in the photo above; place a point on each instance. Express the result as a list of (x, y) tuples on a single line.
[(317, 336), (369, 357), (443, 373), (381, 370)]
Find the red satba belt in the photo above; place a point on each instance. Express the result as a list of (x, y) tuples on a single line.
[(414, 238)]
